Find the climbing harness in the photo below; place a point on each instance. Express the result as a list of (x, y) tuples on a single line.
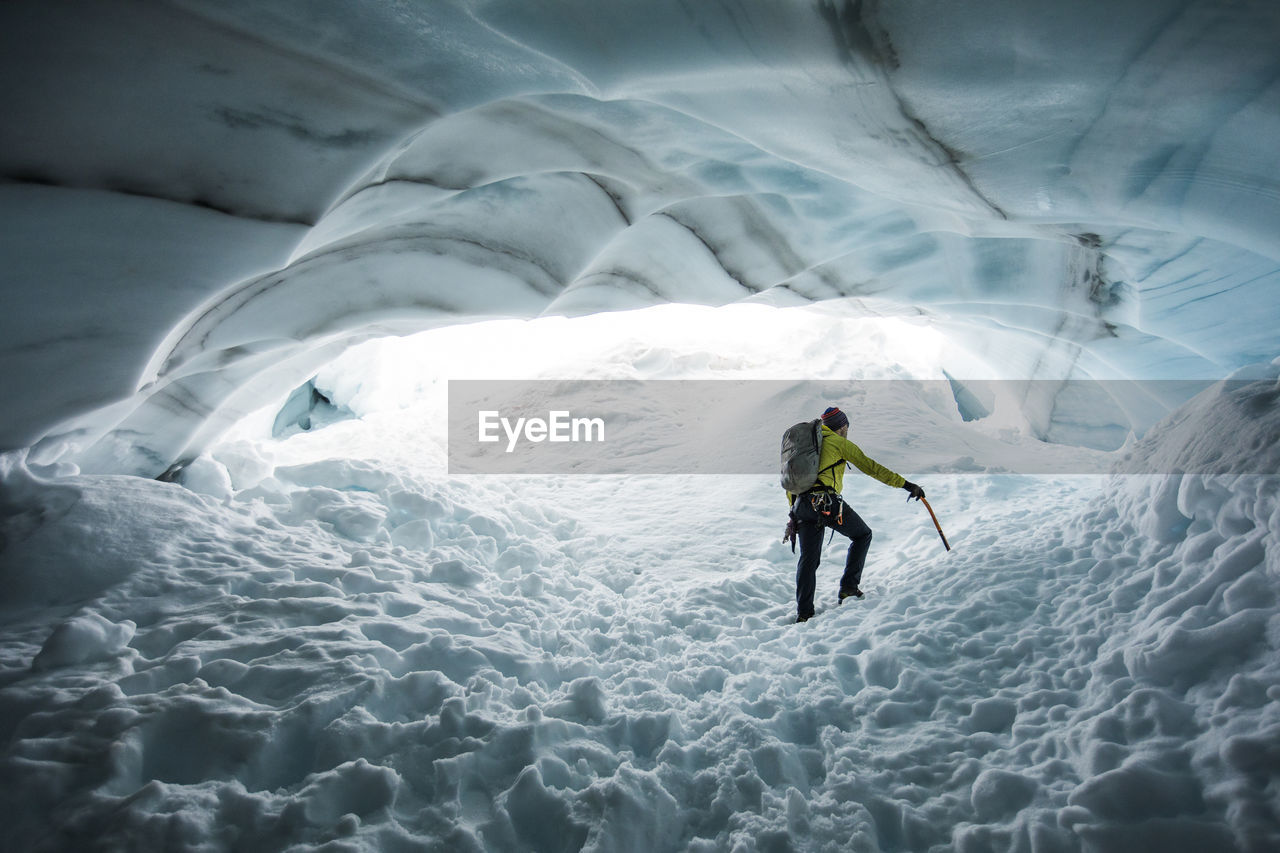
[(821, 500)]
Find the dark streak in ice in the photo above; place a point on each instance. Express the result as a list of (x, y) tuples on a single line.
[(613, 197), (857, 33), (295, 126), (125, 187), (710, 250)]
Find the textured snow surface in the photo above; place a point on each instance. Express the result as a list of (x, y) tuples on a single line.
[(354, 650)]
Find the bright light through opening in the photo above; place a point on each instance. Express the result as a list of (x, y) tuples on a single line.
[(664, 342), (397, 386)]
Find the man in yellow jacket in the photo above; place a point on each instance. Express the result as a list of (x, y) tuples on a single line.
[(822, 506)]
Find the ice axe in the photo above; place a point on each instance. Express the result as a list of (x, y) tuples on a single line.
[(936, 524)]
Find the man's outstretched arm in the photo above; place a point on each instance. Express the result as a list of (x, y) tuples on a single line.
[(864, 463), (853, 454)]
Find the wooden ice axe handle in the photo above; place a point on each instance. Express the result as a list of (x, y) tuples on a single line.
[(936, 524)]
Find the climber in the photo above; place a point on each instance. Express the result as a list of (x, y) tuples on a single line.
[(823, 506)]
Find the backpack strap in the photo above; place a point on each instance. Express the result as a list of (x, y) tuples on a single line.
[(817, 432), (816, 484)]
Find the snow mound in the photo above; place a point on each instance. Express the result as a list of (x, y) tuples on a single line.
[(206, 476), (1232, 428), (85, 638)]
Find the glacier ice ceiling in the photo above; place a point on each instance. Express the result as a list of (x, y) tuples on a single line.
[(206, 199)]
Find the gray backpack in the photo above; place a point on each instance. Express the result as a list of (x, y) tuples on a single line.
[(801, 448)]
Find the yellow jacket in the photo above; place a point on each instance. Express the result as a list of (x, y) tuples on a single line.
[(838, 450)]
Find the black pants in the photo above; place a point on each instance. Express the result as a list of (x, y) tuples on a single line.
[(810, 526)]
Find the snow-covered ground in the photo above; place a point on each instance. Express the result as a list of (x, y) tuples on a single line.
[(325, 641)]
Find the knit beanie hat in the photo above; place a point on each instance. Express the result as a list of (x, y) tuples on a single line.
[(835, 418)]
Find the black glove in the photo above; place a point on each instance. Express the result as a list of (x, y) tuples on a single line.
[(913, 491), (790, 534)]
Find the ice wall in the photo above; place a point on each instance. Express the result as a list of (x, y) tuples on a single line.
[(206, 200)]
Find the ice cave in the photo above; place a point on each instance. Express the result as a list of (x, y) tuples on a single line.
[(258, 595)]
